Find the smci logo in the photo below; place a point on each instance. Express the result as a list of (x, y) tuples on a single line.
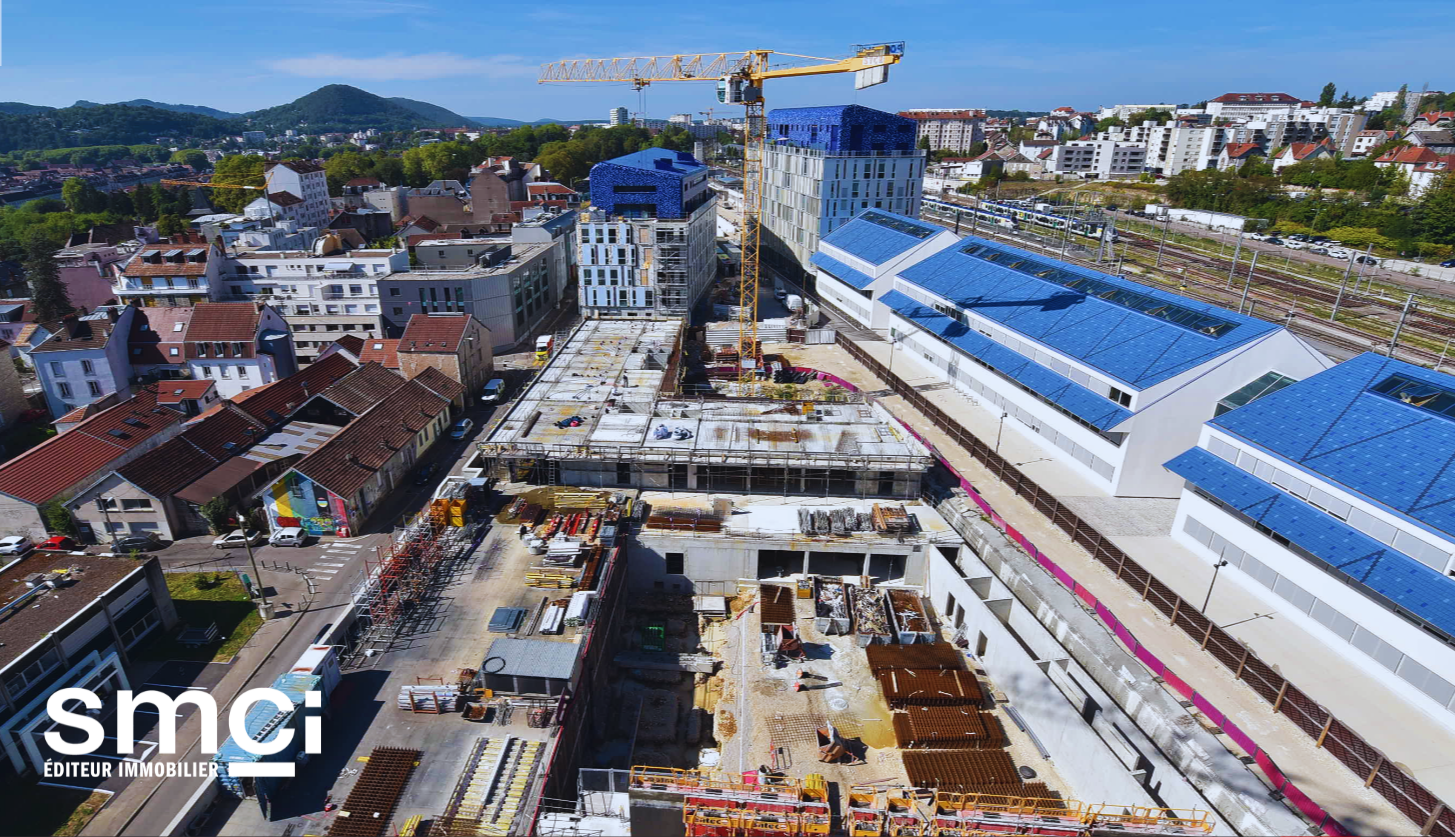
[(166, 709)]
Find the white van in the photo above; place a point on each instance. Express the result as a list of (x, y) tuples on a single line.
[(493, 391), (290, 536)]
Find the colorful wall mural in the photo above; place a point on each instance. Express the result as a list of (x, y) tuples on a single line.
[(295, 500)]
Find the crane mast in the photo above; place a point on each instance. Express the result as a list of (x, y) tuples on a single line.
[(739, 77)]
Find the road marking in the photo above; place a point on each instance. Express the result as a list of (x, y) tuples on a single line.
[(330, 565), (324, 572), (345, 546)]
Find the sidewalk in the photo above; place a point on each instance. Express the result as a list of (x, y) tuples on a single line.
[(1140, 528)]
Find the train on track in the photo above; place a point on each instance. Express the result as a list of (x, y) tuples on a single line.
[(1010, 215)]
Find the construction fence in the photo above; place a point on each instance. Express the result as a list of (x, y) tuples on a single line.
[(1426, 811)]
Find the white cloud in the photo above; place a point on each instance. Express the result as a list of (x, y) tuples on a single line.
[(397, 65)]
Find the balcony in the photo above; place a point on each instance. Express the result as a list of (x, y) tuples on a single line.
[(133, 286)]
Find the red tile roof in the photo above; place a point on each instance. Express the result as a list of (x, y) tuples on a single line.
[(282, 398), (154, 334), (350, 459), (175, 392), (223, 321), (382, 352), (439, 383), (434, 333), (1408, 155), (549, 189), (1443, 164), (1304, 150), (138, 267), (63, 462), (1239, 150), (364, 181), (1436, 115), (363, 388), (351, 343), (207, 441), (76, 333), (424, 222)]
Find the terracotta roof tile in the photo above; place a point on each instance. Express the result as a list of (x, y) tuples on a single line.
[(348, 460), (155, 332), (1239, 150), (275, 402), (351, 343), (60, 463), (363, 388), (434, 333), (383, 352), (208, 440), (223, 321), (76, 333), (1408, 155), (175, 392), (440, 384)]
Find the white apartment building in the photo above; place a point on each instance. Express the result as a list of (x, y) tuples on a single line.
[(169, 275), (1176, 147), (322, 297), (637, 267), (1323, 498), (1230, 106), (617, 116), (948, 129), (300, 190), (1097, 159), (1125, 111), (1380, 101)]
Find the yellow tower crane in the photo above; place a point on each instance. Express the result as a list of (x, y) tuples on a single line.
[(739, 77)]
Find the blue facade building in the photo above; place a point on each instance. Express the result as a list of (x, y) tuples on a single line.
[(825, 165), (652, 183), (647, 245), (841, 128), (1331, 497)]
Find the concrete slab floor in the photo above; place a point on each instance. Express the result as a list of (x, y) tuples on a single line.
[(365, 715), (1405, 734)]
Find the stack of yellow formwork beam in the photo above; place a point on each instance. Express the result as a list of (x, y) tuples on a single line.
[(590, 500)]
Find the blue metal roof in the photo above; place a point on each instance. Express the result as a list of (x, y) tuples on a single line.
[(841, 271), (837, 128), (679, 162), (1065, 393), (1332, 424), (1120, 341), (877, 236), (1399, 579), (292, 685)]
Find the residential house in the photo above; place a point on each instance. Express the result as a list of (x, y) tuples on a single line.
[(382, 351), (15, 316), (1433, 119), (169, 274), (1440, 141), (87, 272), (1303, 152), (190, 398), (1367, 141), (84, 359), (240, 345), (456, 344), (64, 464), (1235, 155), (337, 487), (948, 129), (1420, 166)]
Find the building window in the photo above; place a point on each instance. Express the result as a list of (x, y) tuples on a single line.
[(31, 674), (207, 371), (58, 370), (242, 371), (88, 368), (675, 563), (394, 292), (136, 505), (173, 352), (65, 389), (95, 389)]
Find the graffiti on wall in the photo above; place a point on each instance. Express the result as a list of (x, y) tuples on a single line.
[(295, 500)]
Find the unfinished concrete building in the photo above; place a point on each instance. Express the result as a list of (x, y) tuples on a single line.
[(606, 411)]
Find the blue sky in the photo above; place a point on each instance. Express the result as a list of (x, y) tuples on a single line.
[(480, 59)]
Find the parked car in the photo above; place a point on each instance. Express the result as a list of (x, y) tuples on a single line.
[(1256, 237), (139, 543), (1294, 245), (1318, 239), (494, 391), (15, 545), (1111, 207), (422, 476), (1369, 260), (289, 536), (1272, 239), (236, 538), (1448, 263), (462, 429), (1339, 253), (58, 543), (1319, 251)]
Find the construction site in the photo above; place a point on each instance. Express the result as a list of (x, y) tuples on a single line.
[(793, 627)]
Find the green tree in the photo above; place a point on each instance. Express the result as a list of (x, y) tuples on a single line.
[(142, 203), (119, 203), (1326, 97), (923, 144), (1434, 215), (57, 518), (240, 170), (193, 157), (169, 225), (48, 297), (217, 512)]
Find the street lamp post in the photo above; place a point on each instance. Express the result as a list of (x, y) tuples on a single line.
[(1166, 225), (1237, 251), (1248, 283), (999, 430), (1217, 566)]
